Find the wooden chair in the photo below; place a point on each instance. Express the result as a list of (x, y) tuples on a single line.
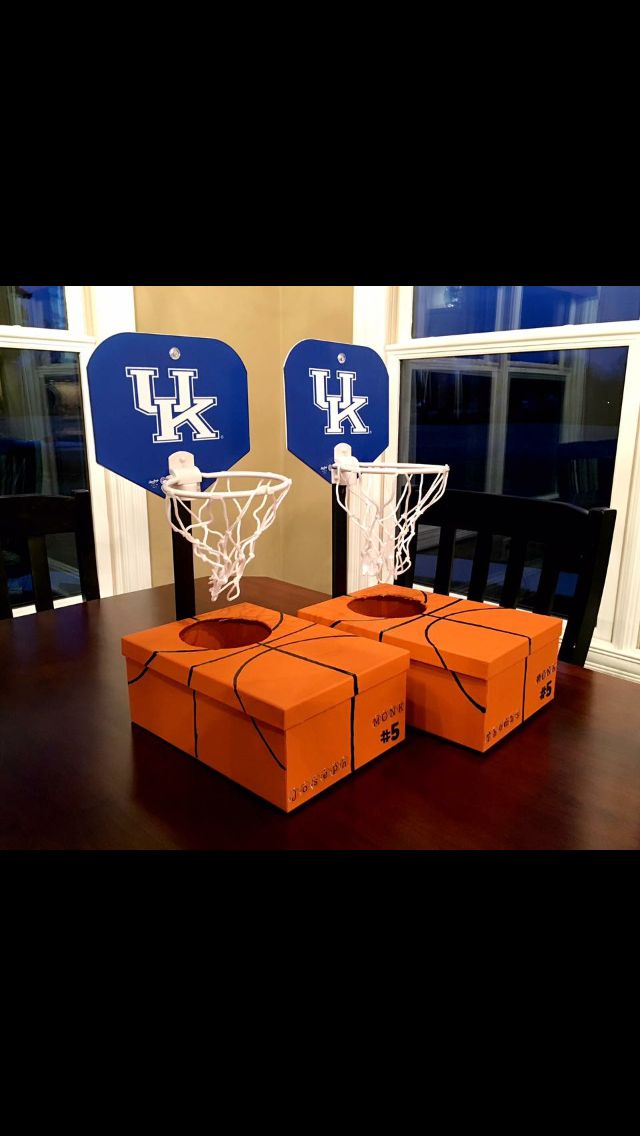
[(31, 517), (20, 466), (573, 539), (585, 471)]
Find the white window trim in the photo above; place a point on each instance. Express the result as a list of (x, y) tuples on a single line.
[(111, 310), (383, 319), (119, 508)]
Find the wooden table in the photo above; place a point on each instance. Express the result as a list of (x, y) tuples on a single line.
[(74, 773)]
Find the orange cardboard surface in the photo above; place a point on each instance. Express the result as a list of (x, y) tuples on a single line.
[(280, 704), (477, 671)]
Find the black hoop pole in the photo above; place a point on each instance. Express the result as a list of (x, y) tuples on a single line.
[(338, 543), (184, 582)]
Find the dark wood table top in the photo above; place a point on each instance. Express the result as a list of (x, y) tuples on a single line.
[(74, 773)]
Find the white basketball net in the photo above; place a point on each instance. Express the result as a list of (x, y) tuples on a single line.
[(388, 513), (224, 522)]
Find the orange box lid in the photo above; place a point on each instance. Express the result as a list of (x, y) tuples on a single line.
[(296, 670), (469, 637)]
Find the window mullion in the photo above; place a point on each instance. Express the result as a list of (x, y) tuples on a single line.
[(497, 434), (76, 310), (622, 584), (42, 339), (533, 339), (401, 315)]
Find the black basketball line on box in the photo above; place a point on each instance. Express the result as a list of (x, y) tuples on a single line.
[(264, 643), (316, 639), (169, 651), (397, 625), (237, 693), (453, 615), (424, 615), (383, 618), (250, 716), (453, 674), (501, 630), (435, 618), (492, 611), (249, 647), (266, 646), (192, 650), (303, 658), (414, 618), (144, 670), (195, 726), (198, 650)]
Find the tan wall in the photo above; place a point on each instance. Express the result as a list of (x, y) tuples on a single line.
[(310, 313), (262, 323)]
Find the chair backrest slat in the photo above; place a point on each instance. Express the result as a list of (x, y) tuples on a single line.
[(30, 518), (6, 610), (574, 540), (514, 571), (548, 582), (445, 559), (40, 573), (481, 562), (86, 548), (583, 617)]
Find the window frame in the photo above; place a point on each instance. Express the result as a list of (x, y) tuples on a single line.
[(119, 508), (383, 318)]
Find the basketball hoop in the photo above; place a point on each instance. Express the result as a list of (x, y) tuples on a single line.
[(224, 521), (388, 524)]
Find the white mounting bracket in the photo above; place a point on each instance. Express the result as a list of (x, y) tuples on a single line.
[(349, 466), (186, 473)]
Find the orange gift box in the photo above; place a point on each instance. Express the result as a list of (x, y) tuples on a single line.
[(477, 671), (277, 703)]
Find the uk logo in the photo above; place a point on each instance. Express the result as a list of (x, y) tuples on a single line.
[(183, 408), (341, 407)]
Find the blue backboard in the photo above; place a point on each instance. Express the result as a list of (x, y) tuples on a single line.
[(154, 394), (335, 392)]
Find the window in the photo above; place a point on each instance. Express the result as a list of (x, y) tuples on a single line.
[(33, 305), (529, 428), (47, 333), (461, 309), (529, 390), (42, 451)]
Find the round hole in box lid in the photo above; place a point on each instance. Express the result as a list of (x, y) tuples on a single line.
[(387, 607), (216, 634)]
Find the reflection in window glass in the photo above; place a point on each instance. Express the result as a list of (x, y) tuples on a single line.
[(464, 549), (33, 305), (534, 423), (449, 413), (42, 450), (464, 309), (525, 428), (529, 429), (463, 554), (453, 309)]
